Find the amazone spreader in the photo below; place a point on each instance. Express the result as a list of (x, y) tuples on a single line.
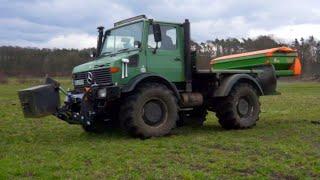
[(285, 61)]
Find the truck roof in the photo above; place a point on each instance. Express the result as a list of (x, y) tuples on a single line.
[(137, 19)]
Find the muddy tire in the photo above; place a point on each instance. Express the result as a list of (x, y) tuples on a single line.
[(240, 109), (151, 111)]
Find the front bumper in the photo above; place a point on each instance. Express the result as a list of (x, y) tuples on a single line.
[(82, 108), (108, 93)]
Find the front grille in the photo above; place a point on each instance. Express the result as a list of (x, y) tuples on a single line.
[(100, 77)]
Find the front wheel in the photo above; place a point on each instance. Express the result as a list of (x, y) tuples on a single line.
[(150, 111), (240, 109)]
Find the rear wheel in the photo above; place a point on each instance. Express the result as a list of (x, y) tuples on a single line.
[(240, 109), (150, 111)]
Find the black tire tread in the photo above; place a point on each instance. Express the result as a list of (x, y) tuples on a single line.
[(126, 112), (227, 117)]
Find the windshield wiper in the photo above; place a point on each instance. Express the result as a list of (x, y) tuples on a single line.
[(127, 49), (122, 50), (107, 52)]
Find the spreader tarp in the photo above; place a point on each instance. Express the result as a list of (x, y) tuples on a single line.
[(266, 52)]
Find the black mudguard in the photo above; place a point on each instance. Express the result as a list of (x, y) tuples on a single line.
[(265, 82), (149, 77), (227, 84), (267, 79)]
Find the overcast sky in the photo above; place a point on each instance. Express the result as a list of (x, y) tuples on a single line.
[(72, 23)]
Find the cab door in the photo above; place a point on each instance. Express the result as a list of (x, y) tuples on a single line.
[(167, 60)]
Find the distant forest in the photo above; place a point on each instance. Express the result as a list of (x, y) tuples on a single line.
[(34, 62), (18, 61)]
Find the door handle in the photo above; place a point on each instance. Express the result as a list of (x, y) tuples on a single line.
[(177, 59)]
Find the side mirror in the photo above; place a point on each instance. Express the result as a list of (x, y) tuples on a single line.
[(137, 44), (156, 32)]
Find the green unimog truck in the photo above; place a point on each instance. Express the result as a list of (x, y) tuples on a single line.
[(145, 79)]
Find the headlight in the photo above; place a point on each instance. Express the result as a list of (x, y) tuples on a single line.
[(102, 93)]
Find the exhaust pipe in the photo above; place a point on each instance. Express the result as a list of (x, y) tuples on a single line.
[(187, 56), (99, 41)]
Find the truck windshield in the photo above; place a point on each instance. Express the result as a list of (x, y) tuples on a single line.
[(123, 38)]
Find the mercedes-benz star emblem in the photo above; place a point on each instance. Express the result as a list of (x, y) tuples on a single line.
[(90, 78)]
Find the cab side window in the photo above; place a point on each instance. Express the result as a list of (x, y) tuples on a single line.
[(169, 38)]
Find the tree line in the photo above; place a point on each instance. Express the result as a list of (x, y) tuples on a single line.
[(18, 61)]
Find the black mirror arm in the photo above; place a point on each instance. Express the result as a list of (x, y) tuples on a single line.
[(155, 49), (93, 54)]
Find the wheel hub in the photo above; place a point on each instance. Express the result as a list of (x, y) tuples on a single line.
[(243, 107), (153, 112)]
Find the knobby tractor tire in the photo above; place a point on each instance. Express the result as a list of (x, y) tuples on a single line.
[(151, 111), (98, 125), (240, 109), (196, 117)]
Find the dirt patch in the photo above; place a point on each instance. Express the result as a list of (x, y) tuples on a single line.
[(277, 153), (199, 167), (177, 158), (246, 171), (88, 162), (316, 122), (28, 174), (232, 148), (283, 176)]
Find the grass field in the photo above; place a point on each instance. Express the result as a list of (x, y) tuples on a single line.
[(284, 144)]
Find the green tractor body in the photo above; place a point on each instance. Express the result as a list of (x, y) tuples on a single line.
[(146, 80), (167, 61)]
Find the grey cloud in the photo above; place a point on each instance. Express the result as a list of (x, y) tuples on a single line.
[(43, 20)]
